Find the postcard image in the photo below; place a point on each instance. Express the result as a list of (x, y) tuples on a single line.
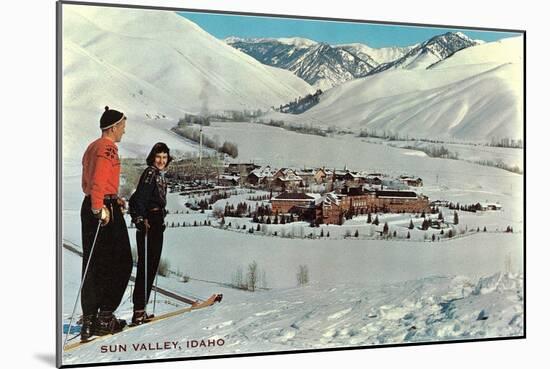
[(235, 184)]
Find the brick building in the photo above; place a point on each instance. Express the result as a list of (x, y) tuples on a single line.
[(361, 202), (329, 209), (288, 200), (399, 202)]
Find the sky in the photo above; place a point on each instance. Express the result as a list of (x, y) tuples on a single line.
[(331, 32)]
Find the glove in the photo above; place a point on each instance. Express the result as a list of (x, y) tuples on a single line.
[(102, 214), (123, 204), (142, 224)]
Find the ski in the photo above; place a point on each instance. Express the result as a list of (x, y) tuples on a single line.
[(195, 306)]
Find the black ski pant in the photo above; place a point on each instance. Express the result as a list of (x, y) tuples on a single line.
[(111, 260), (155, 238)]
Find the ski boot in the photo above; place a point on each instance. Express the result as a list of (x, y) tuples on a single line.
[(86, 331), (141, 317), (107, 323)]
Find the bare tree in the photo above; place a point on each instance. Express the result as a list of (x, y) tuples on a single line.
[(252, 276)]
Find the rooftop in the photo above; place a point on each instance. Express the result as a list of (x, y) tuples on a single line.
[(408, 194), (294, 196)]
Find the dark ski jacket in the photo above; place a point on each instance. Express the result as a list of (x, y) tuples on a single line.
[(150, 193)]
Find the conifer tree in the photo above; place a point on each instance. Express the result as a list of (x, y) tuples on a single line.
[(425, 225)]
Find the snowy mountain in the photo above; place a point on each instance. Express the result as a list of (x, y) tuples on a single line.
[(473, 95), (325, 66), (298, 42), (507, 50), (429, 52), (379, 55), (321, 65), (153, 64)]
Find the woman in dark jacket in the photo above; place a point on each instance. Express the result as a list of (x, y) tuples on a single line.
[(148, 209)]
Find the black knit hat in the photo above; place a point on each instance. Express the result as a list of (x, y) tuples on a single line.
[(109, 118)]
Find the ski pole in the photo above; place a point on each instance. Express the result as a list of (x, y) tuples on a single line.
[(155, 298), (145, 274), (82, 282)]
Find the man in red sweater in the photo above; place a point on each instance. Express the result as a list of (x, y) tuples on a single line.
[(111, 261)]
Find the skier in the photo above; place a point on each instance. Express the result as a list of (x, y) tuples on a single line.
[(147, 208), (102, 220)]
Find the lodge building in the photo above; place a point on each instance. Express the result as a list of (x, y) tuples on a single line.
[(331, 208), (288, 200)]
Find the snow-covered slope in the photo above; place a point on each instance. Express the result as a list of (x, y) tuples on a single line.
[(152, 64), (313, 317), (507, 50), (475, 97), (173, 54)]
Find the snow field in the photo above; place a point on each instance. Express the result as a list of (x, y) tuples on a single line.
[(344, 315)]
